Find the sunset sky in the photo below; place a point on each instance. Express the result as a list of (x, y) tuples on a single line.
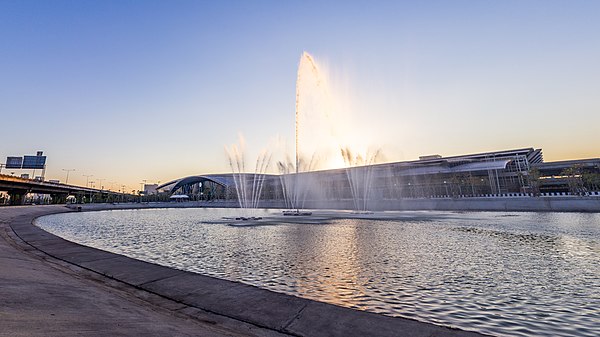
[(155, 90)]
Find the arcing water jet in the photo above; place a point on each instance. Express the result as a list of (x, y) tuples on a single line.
[(360, 176), (248, 186)]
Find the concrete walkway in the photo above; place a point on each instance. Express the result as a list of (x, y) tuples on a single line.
[(50, 286)]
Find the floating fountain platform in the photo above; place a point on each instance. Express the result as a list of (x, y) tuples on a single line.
[(251, 218), (296, 213)]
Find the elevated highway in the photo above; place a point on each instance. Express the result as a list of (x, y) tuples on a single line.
[(18, 188)]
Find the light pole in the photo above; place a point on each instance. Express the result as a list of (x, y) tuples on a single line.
[(100, 183), (142, 188), (100, 187), (87, 180), (446, 188), (67, 170), (91, 195)]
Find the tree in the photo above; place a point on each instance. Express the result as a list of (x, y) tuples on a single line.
[(573, 175), (534, 180), (591, 181)]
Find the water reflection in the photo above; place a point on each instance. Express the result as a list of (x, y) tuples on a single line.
[(512, 274)]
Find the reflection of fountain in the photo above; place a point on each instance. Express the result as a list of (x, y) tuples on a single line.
[(248, 186), (360, 176)]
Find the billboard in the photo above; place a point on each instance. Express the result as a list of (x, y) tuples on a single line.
[(34, 162), (14, 162)]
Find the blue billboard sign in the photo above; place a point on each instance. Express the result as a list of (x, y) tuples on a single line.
[(34, 162), (14, 162)]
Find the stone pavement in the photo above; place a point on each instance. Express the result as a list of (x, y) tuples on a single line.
[(53, 287)]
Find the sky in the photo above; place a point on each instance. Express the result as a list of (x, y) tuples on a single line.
[(128, 91)]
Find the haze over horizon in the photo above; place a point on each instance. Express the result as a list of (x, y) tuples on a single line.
[(155, 90)]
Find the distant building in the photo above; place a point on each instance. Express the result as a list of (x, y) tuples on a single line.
[(509, 172), (150, 189), (429, 157)]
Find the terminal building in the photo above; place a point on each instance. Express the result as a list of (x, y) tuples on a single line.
[(518, 172)]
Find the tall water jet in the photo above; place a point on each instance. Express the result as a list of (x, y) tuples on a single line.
[(312, 101), (315, 123), (360, 176), (307, 64), (248, 186)]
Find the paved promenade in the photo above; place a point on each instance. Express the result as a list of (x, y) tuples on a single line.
[(52, 287)]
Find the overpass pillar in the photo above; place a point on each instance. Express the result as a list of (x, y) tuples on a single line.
[(81, 197), (17, 197), (59, 198)]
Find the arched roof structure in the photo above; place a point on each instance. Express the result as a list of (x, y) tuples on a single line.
[(224, 180)]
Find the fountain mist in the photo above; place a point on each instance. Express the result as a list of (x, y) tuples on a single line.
[(248, 186), (360, 176)]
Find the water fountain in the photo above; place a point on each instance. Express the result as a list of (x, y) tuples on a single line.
[(248, 186), (312, 100), (360, 176), (295, 184), (316, 142)]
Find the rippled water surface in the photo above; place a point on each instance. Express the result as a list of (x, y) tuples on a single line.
[(504, 274)]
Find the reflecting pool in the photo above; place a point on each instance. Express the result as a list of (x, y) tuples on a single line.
[(504, 274)]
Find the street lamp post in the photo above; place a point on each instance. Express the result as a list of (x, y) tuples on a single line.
[(100, 183), (142, 188), (91, 186), (87, 180), (67, 170)]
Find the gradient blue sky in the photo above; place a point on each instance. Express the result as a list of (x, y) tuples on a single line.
[(132, 90)]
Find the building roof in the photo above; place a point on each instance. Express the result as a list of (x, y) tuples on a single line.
[(478, 162), (224, 180), (556, 167)]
